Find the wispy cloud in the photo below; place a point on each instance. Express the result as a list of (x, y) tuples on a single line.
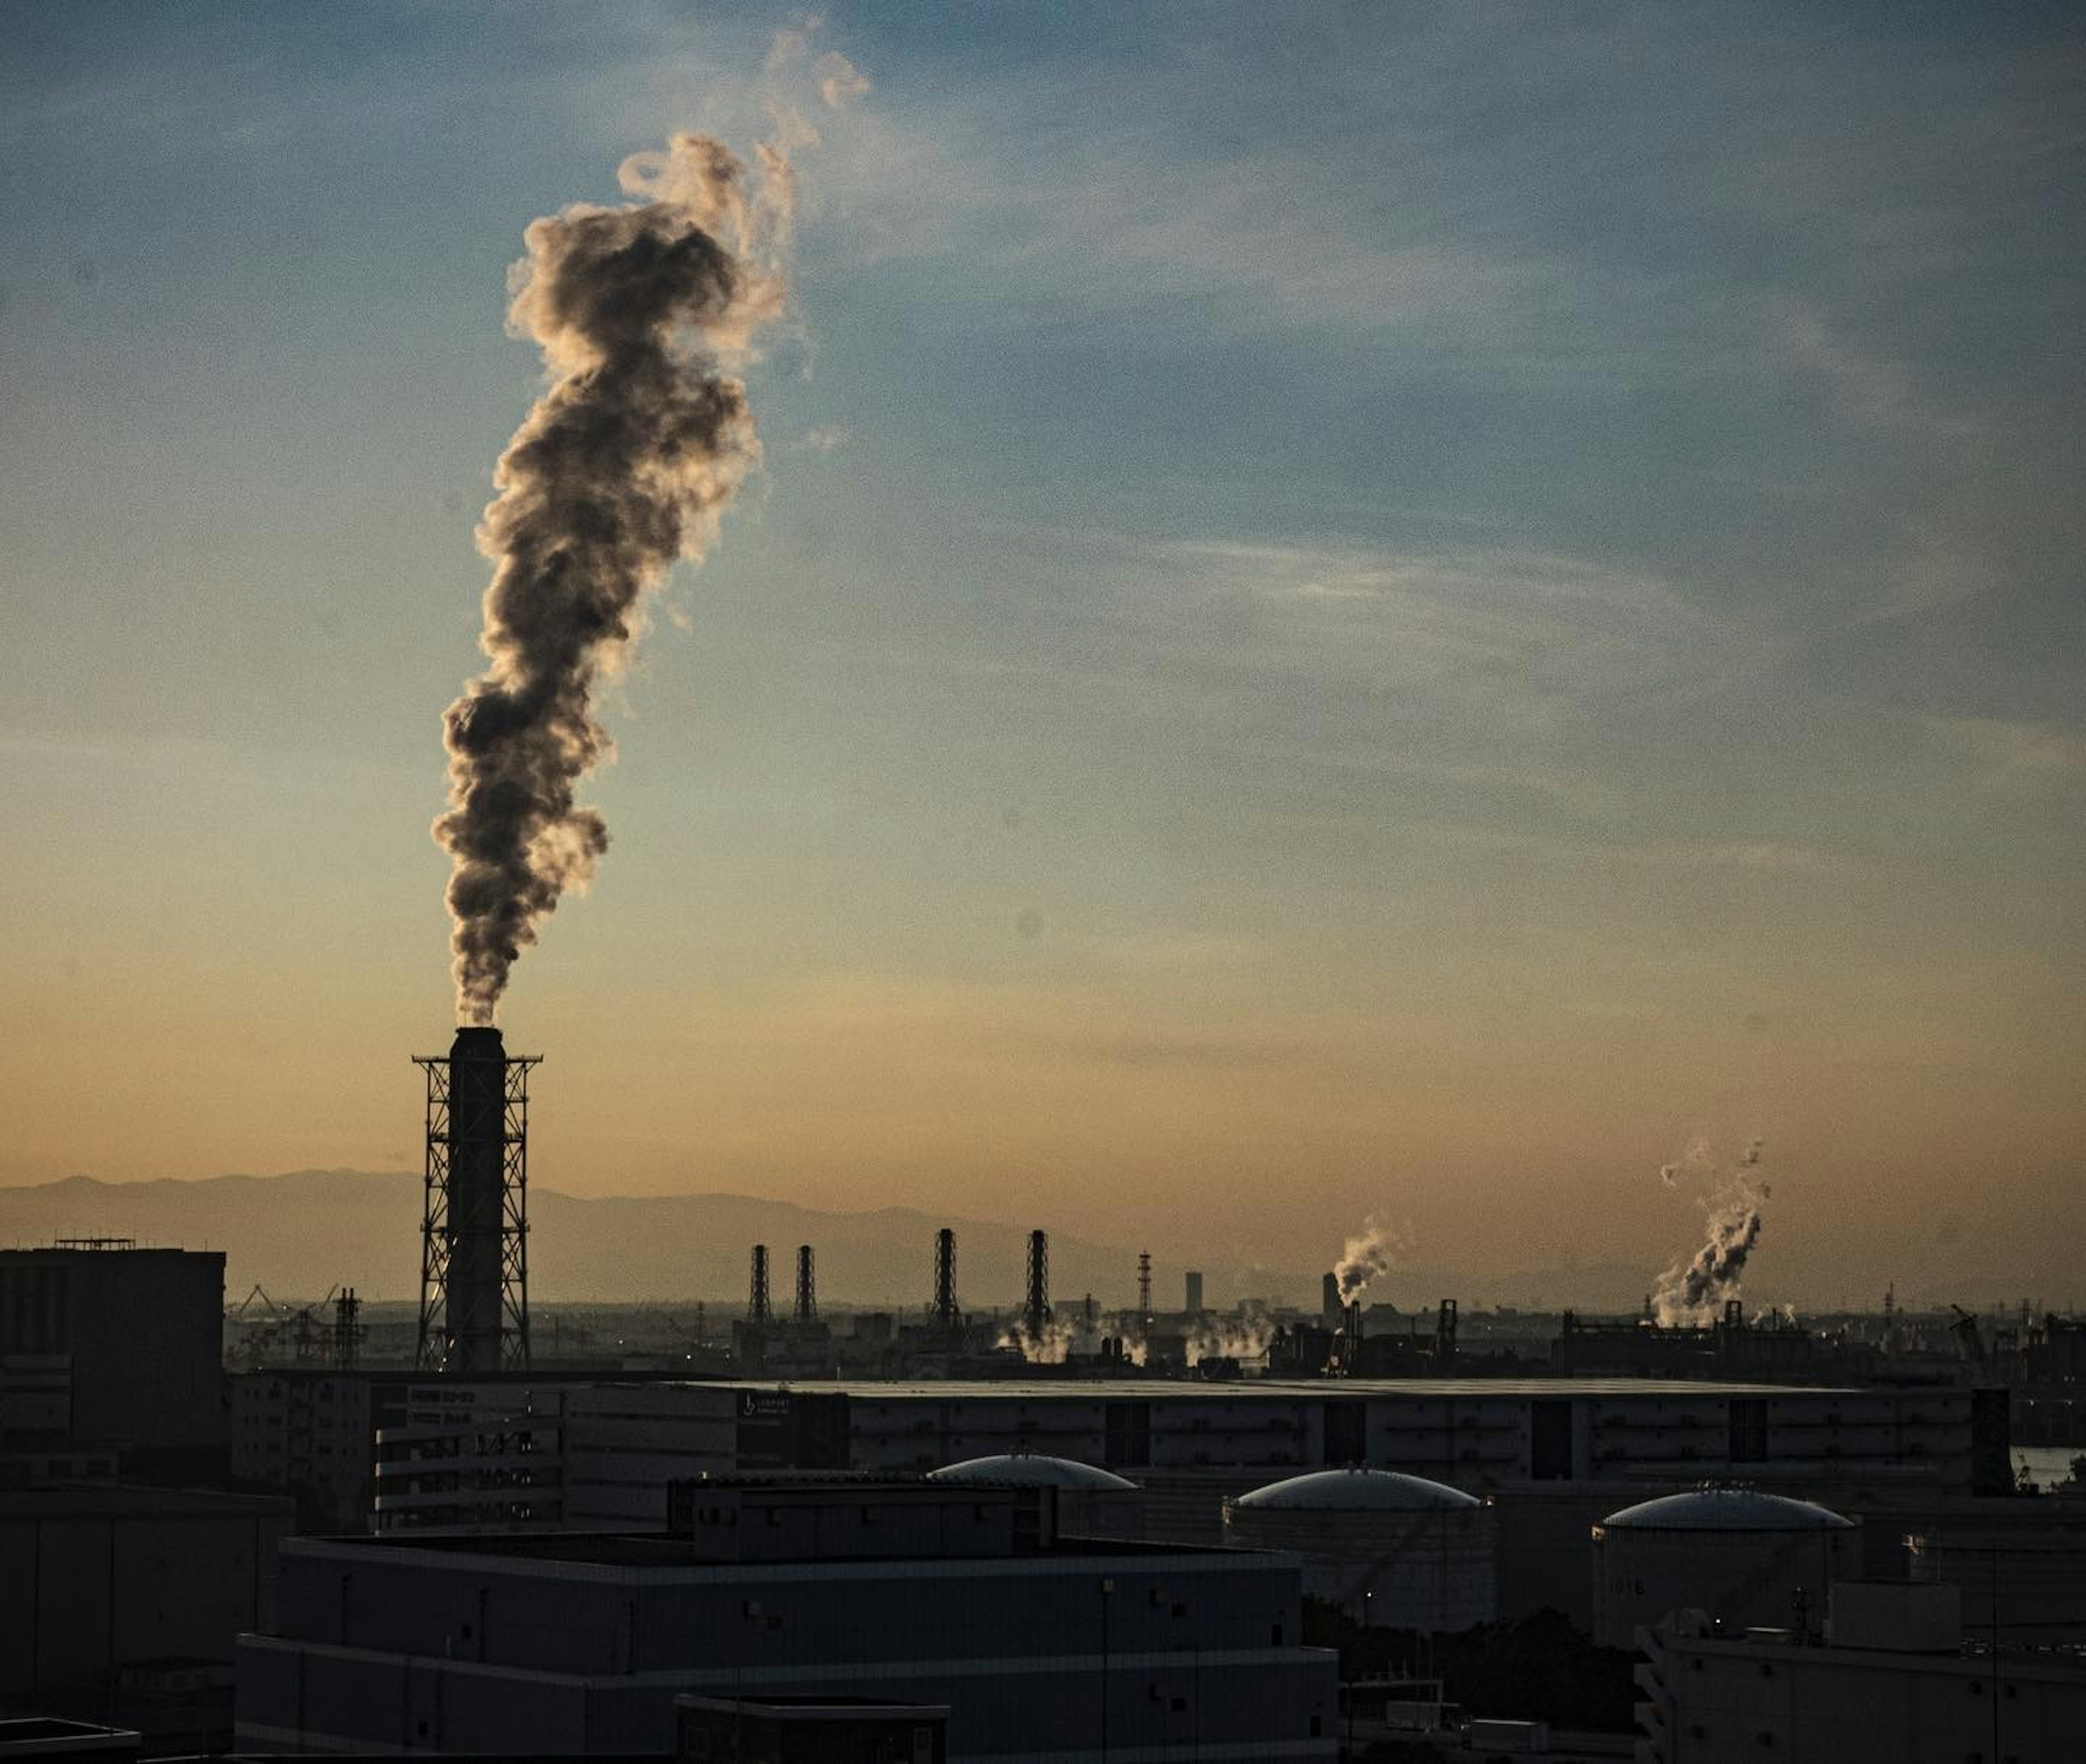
[(2015, 752)]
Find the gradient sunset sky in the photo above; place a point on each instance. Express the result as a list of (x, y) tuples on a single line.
[(1352, 609)]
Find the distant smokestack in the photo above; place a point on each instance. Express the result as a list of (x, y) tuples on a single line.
[(474, 1269), (756, 1296), (1329, 1305), (946, 1314), (1144, 1285), (622, 467), (1036, 1311), (1194, 1294), (807, 1293)]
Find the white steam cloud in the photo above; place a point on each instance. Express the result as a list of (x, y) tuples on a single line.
[(1368, 1255), (1693, 1293)]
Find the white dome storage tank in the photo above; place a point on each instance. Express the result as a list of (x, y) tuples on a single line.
[(1744, 1559), (1090, 1501), (1390, 1550)]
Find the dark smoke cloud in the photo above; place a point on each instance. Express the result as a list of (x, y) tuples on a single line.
[(622, 467)]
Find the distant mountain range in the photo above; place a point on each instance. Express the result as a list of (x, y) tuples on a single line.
[(299, 1235)]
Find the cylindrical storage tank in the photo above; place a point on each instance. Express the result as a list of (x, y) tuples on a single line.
[(2036, 1575), (1091, 1502), (1392, 1551), (1744, 1559)]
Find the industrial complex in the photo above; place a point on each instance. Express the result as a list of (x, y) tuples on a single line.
[(1027, 1531)]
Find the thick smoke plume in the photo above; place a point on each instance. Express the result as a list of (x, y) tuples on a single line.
[(1693, 1293), (1366, 1257), (622, 468)]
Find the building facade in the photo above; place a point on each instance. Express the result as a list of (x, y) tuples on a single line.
[(919, 1593), (122, 1347), (1889, 1687)]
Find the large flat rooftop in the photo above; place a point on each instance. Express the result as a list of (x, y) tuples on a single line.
[(1290, 1389), (660, 1549)]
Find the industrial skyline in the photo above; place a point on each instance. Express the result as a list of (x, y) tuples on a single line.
[(1409, 640)]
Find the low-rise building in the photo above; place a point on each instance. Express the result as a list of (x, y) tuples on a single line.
[(93, 1580), (1890, 1680), (923, 1593)]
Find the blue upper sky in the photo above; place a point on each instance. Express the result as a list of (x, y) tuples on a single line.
[(1389, 598)]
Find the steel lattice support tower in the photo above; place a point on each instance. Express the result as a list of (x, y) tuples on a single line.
[(757, 1295), (945, 1278), (807, 1289), (475, 1220), (1035, 1310)]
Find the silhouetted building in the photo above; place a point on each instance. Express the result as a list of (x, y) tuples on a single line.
[(1891, 1681), (783, 1729), (917, 1593), (97, 1581), (122, 1347)]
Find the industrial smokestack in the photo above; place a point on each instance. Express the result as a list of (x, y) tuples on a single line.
[(756, 1297), (622, 467), (807, 1294), (946, 1314), (478, 1104), (1036, 1311), (475, 1268), (1329, 1306), (1192, 1292), (1144, 1287)]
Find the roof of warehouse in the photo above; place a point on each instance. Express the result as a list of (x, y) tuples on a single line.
[(664, 1549), (1214, 1390)]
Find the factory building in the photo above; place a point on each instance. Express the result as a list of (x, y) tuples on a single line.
[(469, 1457), (1391, 1551), (104, 1344), (924, 1594), (1890, 1681), (1741, 1557), (2022, 1582), (1559, 1455), (310, 1431), (1090, 1502), (97, 1582)]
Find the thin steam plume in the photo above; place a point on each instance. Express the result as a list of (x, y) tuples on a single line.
[(1366, 1257), (622, 467), (1244, 1336)]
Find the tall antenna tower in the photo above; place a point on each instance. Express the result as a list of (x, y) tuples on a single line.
[(807, 1290), (946, 1314), (475, 1223), (1144, 1285), (756, 1297), (1036, 1312)]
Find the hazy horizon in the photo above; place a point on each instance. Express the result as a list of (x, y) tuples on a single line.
[(1400, 613)]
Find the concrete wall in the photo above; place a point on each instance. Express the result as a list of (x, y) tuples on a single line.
[(1737, 1702), (1197, 1649), (95, 1579)]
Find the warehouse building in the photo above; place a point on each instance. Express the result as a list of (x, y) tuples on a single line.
[(926, 1594)]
